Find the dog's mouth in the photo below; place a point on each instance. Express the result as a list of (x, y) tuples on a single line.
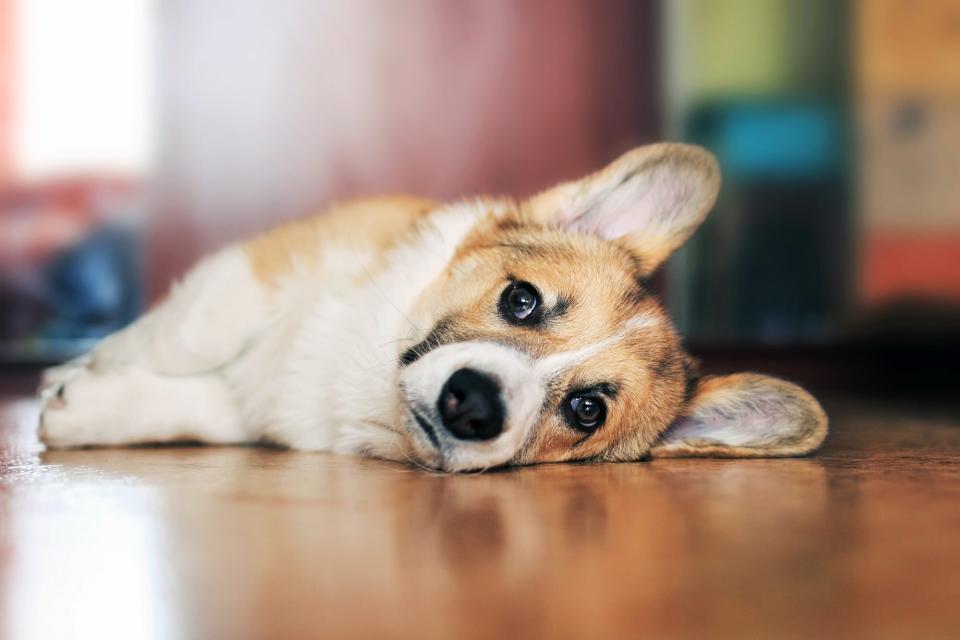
[(432, 449), (423, 433), (426, 426)]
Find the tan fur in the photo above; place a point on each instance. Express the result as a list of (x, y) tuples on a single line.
[(416, 297), (372, 224), (601, 280)]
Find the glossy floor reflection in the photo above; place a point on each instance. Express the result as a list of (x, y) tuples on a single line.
[(862, 540)]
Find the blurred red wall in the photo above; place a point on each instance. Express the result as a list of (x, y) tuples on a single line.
[(6, 91), (269, 111)]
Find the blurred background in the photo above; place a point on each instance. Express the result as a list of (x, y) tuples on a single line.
[(136, 135)]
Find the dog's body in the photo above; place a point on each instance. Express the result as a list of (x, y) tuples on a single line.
[(459, 336)]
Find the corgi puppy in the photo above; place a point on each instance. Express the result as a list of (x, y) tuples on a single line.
[(458, 336)]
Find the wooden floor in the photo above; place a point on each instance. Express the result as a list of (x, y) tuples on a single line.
[(862, 540)]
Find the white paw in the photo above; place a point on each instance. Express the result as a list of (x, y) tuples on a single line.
[(64, 372), (52, 380), (82, 407)]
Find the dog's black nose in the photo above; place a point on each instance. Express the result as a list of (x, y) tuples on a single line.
[(470, 406)]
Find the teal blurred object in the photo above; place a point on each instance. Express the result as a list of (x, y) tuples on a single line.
[(94, 288), (773, 141), (771, 265), (764, 85), (83, 293)]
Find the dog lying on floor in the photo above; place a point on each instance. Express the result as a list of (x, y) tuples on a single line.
[(459, 336)]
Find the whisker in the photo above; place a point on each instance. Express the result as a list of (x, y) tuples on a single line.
[(416, 463), (389, 301)]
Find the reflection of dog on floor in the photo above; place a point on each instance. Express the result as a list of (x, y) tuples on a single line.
[(459, 336)]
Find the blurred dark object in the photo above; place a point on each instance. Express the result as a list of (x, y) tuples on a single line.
[(771, 264), (94, 288), (908, 322), (902, 350), (765, 87), (69, 266)]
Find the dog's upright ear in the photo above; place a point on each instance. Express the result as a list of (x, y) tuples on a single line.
[(745, 416), (652, 199)]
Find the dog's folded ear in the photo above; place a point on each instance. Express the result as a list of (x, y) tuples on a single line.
[(744, 416), (651, 199)]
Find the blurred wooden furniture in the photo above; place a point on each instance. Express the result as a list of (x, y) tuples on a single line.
[(858, 541), (908, 106)]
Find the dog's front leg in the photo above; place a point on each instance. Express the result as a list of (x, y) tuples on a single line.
[(131, 405), (205, 322), (158, 380)]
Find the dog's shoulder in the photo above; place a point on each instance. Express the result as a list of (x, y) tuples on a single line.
[(371, 224)]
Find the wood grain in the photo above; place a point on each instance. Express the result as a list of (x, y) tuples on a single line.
[(862, 540)]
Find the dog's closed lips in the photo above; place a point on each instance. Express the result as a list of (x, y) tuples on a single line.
[(426, 425)]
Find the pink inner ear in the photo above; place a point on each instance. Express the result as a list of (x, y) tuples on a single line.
[(651, 202), (746, 417), (606, 226), (746, 429)]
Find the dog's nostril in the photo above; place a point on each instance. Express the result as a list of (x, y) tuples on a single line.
[(451, 402), (470, 406)]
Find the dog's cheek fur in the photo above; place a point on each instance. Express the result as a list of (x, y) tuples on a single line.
[(603, 296), (456, 307), (654, 397), (651, 383)]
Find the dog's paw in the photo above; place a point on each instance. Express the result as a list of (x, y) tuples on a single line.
[(53, 379), (81, 407)]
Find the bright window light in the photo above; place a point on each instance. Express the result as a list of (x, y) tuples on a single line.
[(83, 84)]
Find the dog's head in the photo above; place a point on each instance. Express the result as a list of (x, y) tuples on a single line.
[(545, 343)]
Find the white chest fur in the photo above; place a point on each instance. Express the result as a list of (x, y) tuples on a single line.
[(323, 376)]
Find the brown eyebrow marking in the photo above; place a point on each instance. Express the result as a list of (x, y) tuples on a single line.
[(525, 248), (557, 311), (608, 389), (663, 364), (509, 223), (637, 294), (563, 304), (439, 335)]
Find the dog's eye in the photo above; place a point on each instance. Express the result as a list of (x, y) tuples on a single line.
[(585, 412), (519, 302)]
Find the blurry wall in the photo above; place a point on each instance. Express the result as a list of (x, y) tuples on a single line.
[(6, 91), (84, 101), (269, 110)]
